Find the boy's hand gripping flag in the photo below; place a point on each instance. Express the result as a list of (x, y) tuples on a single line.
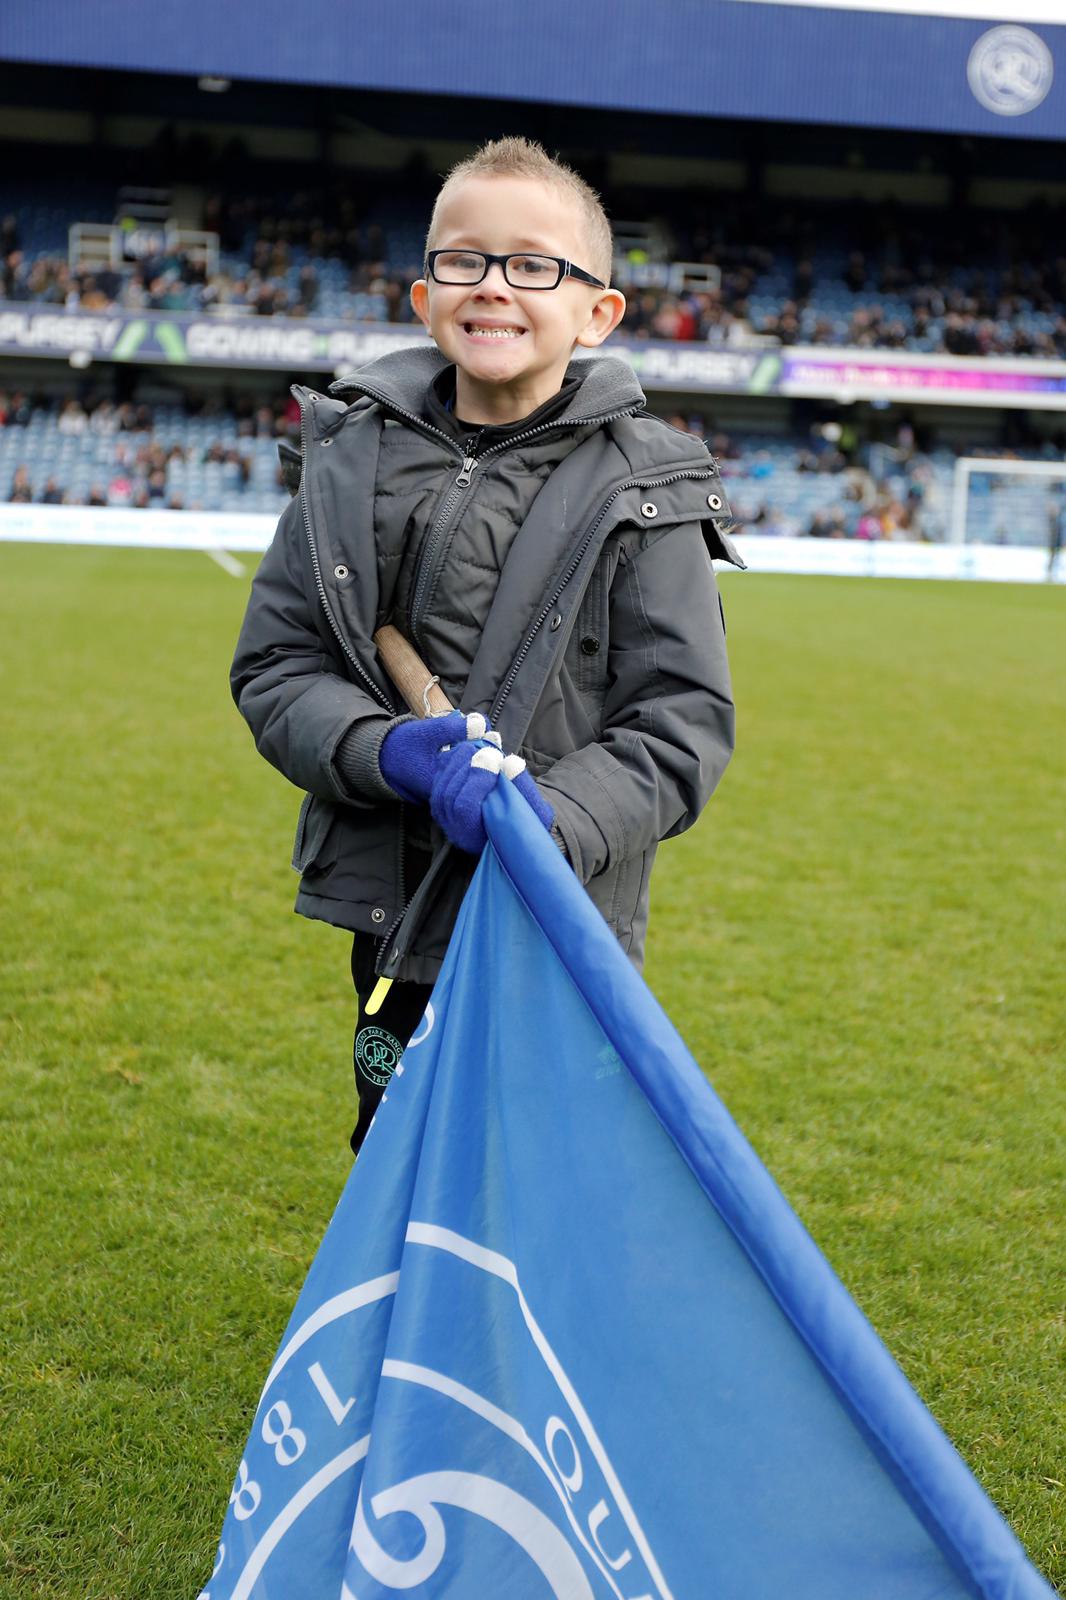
[(428, 757), (564, 1337), (463, 782)]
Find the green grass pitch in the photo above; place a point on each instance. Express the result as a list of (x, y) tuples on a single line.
[(863, 942)]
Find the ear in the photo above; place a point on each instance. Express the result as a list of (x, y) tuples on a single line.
[(606, 314), (420, 301)]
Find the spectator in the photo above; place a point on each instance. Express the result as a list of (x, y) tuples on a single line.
[(120, 489), (856, 275), (92, 297), (21, 491), (103, 419), (72, 419), (19, 411), (242, 464), (15, 285), (308, 291)]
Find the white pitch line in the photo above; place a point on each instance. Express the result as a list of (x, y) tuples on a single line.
[(227, 562)]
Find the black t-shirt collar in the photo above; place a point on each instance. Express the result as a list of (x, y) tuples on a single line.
[(440, 403)]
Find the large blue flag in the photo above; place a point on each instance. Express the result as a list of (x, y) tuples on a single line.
[(564, 1336)]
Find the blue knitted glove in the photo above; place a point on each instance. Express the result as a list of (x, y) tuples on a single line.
[(463, 781), (464, 776), (409, 752), (527, 788)]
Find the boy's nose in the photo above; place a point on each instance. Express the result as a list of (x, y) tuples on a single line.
[(494, 282)]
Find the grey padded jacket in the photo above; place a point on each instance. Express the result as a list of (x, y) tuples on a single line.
[(602, 660)]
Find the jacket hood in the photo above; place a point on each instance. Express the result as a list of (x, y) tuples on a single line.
[(400, 379)]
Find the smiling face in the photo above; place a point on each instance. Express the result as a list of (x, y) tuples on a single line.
[(511, 346)]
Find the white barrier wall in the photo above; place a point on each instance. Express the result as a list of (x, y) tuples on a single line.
[(864, 558), (217, 530), (147, 530)]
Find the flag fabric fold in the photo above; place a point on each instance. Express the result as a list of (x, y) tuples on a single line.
[(564, 1336)]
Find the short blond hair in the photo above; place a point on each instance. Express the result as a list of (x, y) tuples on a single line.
[(523, 158)]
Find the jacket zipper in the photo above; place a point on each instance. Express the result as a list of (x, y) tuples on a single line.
[(364, 676), (462, 482), (402, 880), (633, 483)]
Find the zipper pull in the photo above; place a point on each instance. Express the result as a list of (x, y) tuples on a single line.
[(469, 464)]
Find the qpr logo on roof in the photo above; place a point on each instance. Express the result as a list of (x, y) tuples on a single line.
[(1010, 70)]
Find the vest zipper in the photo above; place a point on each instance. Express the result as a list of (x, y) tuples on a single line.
[(633, 483), (364, 676), (451, 500)]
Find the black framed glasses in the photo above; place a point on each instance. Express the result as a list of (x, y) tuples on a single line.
[(521, 269)]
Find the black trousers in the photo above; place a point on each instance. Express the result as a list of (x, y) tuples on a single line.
[(380, 1040)]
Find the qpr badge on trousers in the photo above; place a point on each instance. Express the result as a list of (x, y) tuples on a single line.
[(564, 1338)]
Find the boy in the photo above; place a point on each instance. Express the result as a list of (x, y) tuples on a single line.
[(546, 547)]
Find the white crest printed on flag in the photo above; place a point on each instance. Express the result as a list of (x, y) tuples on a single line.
[(564, 1337)]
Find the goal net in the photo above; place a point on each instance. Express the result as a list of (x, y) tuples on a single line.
[(998, 500)]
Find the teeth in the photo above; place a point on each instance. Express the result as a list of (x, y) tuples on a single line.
[(494, 333)]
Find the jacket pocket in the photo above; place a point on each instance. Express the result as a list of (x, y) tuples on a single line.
[(316, 818), (590, 637)]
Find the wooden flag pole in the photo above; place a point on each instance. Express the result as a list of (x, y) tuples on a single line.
[(421, 691)]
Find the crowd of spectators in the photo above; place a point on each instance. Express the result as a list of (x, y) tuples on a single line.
[(135, 468), (179, 281), (898, 488), (967, 284), (889, 490), (828, 482), (971, 321), (891, 494), (254, 275), (718, 317), (976, 320)]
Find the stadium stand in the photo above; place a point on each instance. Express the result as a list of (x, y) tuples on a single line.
[(141, 456), (871, 275), (828, 483), (832, 486)]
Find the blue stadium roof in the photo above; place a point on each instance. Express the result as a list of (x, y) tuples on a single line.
[(714, 58)]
